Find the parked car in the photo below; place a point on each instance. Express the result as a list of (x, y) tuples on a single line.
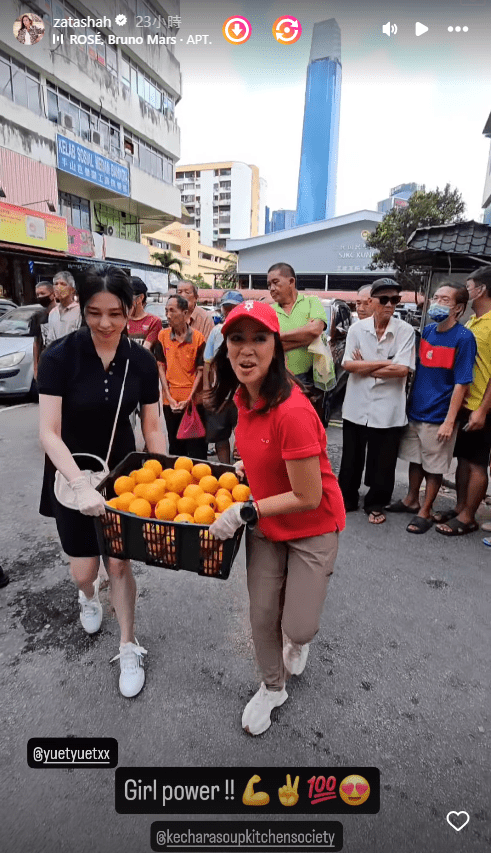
[(339, 319), (157, 309), (6, 305), (16, 352)]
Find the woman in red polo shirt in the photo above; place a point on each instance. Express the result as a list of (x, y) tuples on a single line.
[(297, 511)]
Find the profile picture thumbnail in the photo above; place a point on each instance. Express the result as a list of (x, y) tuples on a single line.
[(28, 28)]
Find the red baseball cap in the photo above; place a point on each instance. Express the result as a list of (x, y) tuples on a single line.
[(259, 311)]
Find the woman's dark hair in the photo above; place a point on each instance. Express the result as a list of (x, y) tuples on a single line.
[(275, 389), (106, 278), (22, 27)]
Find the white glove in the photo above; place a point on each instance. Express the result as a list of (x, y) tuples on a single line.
[(228, 523), (89, 501), (239, 469)]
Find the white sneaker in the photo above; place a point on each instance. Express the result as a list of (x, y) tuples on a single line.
[(295, 657), (132, 677), (90, 610), (257, 713)]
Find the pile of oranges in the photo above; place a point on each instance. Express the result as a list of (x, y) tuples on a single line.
[(185, 493)]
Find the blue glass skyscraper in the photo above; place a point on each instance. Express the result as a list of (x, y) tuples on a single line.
[(319, 157)]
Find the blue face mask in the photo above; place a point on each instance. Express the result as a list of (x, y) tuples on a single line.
[(438, 313)]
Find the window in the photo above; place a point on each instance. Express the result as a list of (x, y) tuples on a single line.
[(75, 210), (123, 225), (148, 89), (20, 84)]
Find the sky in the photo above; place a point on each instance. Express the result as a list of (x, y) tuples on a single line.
[(412, 108)]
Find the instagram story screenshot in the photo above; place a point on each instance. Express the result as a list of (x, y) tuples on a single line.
[(245, 361)]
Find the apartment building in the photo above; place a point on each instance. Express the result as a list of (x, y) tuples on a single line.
[(196, 258), (227, 200), (88, 137)]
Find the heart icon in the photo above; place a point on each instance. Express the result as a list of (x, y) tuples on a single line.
[(361, 789), (348, 789), (458, 820)]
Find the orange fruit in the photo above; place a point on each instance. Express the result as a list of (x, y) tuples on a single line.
[(187, 505), (241, 492), (133, 474), (144, 475), (114, 502), (124, 484), (140, 489), (228, 480), (140, 507), (172, 496), (184, 516), (125, 500), (201, 469), (184, 463), (155, 465), (192, 491), (178, 480), (165, 510), (206, 500), (204, 515), (225, 492), (166, 472), (155, 492), (223, 502), (209, 484)]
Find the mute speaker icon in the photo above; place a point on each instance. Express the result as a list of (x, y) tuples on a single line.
[(389, 29)]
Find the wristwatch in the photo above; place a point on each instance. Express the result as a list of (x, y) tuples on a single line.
[(248, 513)]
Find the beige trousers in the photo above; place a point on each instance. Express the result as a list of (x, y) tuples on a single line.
[(287, 584)]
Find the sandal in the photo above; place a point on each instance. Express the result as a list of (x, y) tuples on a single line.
[(400, 506), (378, 517), (458, 528), (421, 524), (442, 516)]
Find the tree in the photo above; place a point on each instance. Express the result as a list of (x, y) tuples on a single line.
[(229, 279), (167, 260), (436, 207), (199, 281)]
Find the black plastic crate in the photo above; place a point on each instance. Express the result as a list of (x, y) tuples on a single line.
[(168, 544)]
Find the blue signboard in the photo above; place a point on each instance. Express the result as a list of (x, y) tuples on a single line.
[(86, 164)]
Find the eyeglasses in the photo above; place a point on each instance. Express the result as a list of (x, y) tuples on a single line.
[(385, 299)]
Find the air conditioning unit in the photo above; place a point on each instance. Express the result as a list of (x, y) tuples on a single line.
[(110, 230), (95, 137), (66, 120)]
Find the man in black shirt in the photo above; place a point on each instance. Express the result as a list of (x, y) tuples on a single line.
[(45, 296)]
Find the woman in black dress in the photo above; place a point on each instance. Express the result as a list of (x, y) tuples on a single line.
[(80, 379)]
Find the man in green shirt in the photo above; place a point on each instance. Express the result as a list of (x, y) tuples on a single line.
[(302, 319)]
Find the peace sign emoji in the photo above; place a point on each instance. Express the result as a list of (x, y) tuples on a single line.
[(288, 796)]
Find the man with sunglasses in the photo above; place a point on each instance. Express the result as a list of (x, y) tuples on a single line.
[(380, 352)]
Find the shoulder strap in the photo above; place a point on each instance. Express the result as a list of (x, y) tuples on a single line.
[(117, 412)]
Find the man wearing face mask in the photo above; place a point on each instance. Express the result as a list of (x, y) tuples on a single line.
[(65, 317), (473, 445), (446, 360), (45, 296)]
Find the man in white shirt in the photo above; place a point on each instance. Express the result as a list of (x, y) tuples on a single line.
[(380, 352), (66, 317)]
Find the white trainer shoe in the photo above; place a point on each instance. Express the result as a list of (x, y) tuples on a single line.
[(132, 677), (257, 713), (90, 610), (295, 657)]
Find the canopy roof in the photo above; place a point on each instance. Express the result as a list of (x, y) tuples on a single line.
[(461, 246)]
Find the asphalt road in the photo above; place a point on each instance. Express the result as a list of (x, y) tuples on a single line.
[(396, 679)]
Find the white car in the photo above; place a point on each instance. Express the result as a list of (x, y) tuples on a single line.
[(16, 351)]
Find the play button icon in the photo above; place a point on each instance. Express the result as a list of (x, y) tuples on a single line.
[(420, 28)]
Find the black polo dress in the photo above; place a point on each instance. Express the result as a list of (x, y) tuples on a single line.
[(71, 369)]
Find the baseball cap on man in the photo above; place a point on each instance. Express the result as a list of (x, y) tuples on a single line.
[(138, 285), (259, 311), (232, 297), (384, 284)]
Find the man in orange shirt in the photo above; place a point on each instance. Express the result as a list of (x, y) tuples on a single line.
[(180, 361)]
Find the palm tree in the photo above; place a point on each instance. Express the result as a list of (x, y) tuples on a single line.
[(230, 277), (167, 260)]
